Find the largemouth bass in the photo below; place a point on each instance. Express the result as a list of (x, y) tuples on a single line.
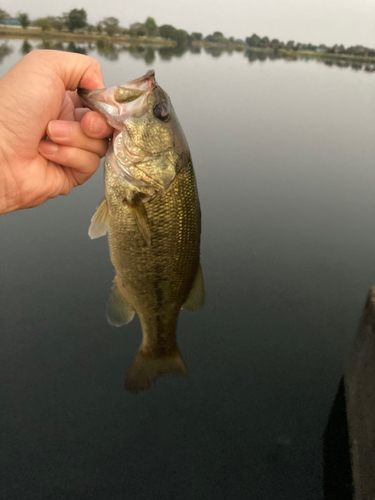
[(152, 216)]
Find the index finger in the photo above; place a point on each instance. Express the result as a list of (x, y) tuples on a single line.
[(74, 70)]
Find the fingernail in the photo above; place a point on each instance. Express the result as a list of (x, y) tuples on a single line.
[(97, 126), (48, 147), (59, 129)]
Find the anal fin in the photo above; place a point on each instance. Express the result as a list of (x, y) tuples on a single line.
[(195, 300), (119, 311)]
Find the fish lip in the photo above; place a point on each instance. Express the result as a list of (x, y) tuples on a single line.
[(88, 97), (149, 77), (104, 102)]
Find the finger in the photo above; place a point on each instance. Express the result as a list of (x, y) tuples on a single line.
[(83, 164), (94, 125), (75, 70), (79, 113), (69, 133)]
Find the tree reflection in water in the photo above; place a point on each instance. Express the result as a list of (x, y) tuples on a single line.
[(104, 47)]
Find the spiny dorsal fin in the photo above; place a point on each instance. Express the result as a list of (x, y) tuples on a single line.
[(119, 311), (195, 300), (138, 211), (99, 225)]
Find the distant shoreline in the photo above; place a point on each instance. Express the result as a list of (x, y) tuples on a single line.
[(295, 54), (20, 33), (14, 33)]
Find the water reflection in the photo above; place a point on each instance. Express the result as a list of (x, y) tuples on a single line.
[(5, 50), (26, 47), (107, 49), (111, 51), (253, 56), (73, 47), (214, 51), (149, 56), (167, 53)]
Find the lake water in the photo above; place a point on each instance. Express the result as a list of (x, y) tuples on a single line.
[(284, 159)]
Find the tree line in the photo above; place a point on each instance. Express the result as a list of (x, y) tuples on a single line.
[(257, 42), (76, 21)]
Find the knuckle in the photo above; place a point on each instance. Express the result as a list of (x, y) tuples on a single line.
[(95, 64)]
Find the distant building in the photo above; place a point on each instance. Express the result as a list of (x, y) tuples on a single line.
[(11, 22)]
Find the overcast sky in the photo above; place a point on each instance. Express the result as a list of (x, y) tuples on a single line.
[(350, 22)]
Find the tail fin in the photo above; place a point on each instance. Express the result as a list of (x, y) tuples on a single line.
[(145, 370)]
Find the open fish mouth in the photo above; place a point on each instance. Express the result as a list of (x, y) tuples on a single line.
[(117, 103)]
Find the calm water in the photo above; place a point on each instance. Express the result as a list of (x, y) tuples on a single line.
[(284, 159)]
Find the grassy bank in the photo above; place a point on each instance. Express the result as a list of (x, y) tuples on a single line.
[(14, 33), (322, 56), (219, 45), (327, 56)]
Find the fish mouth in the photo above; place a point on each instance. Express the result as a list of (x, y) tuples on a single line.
[(118, 103)]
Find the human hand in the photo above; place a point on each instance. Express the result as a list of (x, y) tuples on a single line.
[(37, 97)]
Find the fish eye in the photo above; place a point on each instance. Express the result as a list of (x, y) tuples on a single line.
[(161, 112)]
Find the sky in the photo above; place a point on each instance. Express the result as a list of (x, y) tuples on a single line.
[(350, 22)]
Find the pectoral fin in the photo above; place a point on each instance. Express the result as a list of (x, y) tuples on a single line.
[(138, 211), (195, 300), (99, 221), (119, 311)]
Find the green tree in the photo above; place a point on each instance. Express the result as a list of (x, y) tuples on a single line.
[(24, 20), (290, 45), (179, 36), (4, 16), (57, 23), (43, 22), (110, 25), (167, 31), (196, 36), (253, 41), (77, 18), (151, 27)]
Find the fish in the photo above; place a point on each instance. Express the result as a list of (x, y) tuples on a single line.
[(151, 215)]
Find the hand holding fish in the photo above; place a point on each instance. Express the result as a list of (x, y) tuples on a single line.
[(38, 98)]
